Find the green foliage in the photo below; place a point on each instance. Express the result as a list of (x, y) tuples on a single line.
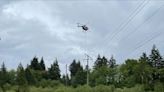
[(3, 77), (99, 75), (21, 78), (145, 74), (127, 71), (75, 67), (35, 64), (30, 77), (161, 75), (54, 71), (42, 65), (85, 88), (112, 62), (65, 80), (79, 78), (102, 88), (49, 83), (100, 62), (159, 87), (78, 75), (23, 88), (12, 77), (156, 58)]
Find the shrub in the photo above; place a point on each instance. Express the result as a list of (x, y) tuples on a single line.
[(84, 88), (102, 88), (159, 87)]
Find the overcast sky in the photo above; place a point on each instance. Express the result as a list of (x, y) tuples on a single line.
[(48, 28)]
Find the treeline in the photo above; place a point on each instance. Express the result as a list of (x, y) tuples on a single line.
[(147, 71)]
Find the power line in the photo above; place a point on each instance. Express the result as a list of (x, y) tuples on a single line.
[(125, 26), (152, 37), (138, 27), (147, 41), (130, 18)]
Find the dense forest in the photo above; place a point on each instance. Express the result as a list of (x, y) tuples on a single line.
[(145, 74)]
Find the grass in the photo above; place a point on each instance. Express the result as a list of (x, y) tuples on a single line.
[(85, 88)]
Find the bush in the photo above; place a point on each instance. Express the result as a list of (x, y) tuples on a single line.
[(137, 88), (23, 88), (64, 89), (48, 83), (7, 86), (103, 88), (85, 88), (159, 87), (40, 89)]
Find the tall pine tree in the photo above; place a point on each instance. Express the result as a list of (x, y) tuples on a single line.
[(144, 58), (3, 77), (112, 62), (78, 75), (155, 58), (54, 71), (35, 64), (75, 67), (21, 79), (100, 62), (29, 76), (42, 65)]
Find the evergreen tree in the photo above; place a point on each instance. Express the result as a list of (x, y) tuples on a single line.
[(12, 77), (35, 64), (144, 58), (79, 78), (42, 65), (54, 71), (21, 79), (100, 62), (30, 77), (156, 62), (127, 71), (3, 68), (143, 71), (112, 62), (155, 58), (3, 77), (75, 67)]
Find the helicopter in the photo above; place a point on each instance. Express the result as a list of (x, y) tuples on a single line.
[(84, 27)]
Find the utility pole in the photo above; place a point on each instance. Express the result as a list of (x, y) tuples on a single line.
[(87, 67)]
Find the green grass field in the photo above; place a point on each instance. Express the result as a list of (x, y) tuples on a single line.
[(100, 88)]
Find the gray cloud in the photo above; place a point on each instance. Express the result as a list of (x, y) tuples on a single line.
[(48, 28)]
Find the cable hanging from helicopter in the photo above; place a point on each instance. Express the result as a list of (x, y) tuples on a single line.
[(85, 29)]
